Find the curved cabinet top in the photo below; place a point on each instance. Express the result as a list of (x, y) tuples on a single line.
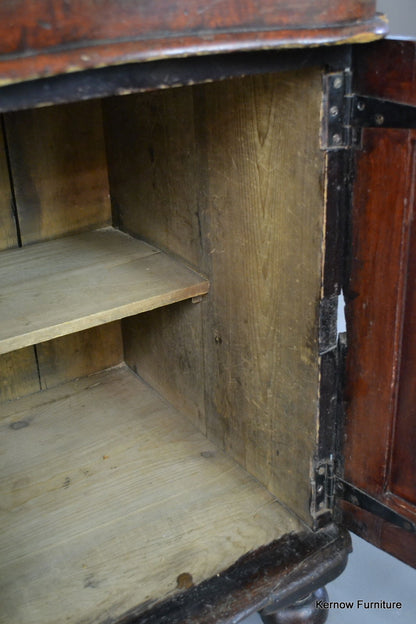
[(51, 37)]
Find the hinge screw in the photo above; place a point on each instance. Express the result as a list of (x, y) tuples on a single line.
[(360, 105), (337, 83), (336, 139), (379, 119), (333, 111)]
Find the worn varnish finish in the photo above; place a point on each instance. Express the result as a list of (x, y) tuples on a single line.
[(113, 495), (48, 38), (250, 215), (380, 426), (59, 170)]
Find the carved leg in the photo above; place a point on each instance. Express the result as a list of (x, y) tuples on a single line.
[(303, 611)]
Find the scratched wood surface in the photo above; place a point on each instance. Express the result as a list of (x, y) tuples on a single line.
[(249, 201), (109, 495), (59, 170)]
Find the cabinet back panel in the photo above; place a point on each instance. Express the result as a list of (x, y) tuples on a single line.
[(229, 178), (58, 169), (51, 363)]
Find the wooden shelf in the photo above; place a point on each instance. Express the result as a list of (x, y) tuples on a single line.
[(108, 495), (62, 286)]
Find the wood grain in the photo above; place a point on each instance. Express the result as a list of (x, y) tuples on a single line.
[(79, 354), (18, 374), (379, 431), (375, 299), (8, 236), (67, 285), (166, 346), (155, 167), (108, 495), (153, 159), (59, 170), (63, 37), (250, 206), (263, 232)]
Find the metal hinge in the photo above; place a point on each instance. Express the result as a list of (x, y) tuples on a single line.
[(323, 489), (337, 132), (328, 488), (346, 113)]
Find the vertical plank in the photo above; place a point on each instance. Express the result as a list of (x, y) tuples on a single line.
[(18, 374), (59, 171), (263, 237), (79, 354), (8, 237)]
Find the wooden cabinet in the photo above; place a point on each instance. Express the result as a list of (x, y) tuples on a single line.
[(171, 263)]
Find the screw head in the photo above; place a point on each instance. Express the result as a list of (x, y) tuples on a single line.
[(336, 139), (338, 82), (333, 111), (360, 105), (379, 119)]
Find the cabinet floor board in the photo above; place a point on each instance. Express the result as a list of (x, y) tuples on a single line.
[(108, 495), (63, 286)]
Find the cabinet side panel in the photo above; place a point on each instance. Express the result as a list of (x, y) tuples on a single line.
[(230, 179), (154, 175), (59, 170), (8, 236), (263, 237)]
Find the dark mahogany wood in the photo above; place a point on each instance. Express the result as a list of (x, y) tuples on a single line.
[(380, 428), (50, 37), (387, 70)]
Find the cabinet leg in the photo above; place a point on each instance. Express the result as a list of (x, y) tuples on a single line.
[(303, 611)]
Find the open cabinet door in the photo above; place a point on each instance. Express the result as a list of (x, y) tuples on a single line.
[(378, 484)]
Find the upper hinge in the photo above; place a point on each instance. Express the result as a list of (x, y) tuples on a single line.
[(337, 132), (345, 114)]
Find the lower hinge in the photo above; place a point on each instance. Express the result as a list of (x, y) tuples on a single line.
[(328, 488), (322, 491)]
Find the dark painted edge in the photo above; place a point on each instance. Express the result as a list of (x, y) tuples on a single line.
[(278, 572)]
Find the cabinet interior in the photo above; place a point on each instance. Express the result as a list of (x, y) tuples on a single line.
[(160, 280)]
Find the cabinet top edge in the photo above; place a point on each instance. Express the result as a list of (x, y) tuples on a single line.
[(38, 42)]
